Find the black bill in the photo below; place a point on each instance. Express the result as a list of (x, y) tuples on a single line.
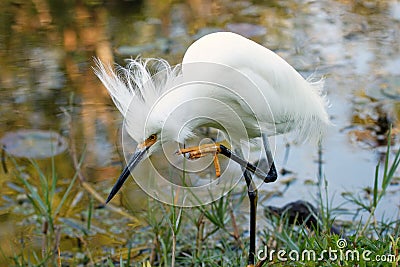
[(136, 158)]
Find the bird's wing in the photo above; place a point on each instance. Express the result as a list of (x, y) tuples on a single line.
[(293, 101)]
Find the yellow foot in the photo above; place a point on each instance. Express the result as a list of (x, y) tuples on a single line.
[(196, 152)]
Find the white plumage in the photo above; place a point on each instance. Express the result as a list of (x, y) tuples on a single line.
[(295, 103)]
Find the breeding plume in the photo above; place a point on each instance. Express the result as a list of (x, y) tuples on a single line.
[(241, 90)]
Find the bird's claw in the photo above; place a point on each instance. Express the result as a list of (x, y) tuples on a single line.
[(196, 152)]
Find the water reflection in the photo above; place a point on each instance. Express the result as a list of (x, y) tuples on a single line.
[(46, 50)]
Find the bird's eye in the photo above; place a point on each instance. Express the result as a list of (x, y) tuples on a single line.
[(152, 137)]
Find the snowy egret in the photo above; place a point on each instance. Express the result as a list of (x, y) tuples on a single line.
[(270, 97)]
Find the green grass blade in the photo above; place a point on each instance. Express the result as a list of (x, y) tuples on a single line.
[(90, 211), (71, 184), (121, 261), (375, 195), (64, 197), (53, 181), (393, 169), (34, 196), (110, 263), (43, 181), (385, 172)]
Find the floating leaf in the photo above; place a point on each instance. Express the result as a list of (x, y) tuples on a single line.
[(36, 144)]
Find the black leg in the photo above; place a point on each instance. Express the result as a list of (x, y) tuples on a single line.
[(253, 197), (272, 174), (268, 178)]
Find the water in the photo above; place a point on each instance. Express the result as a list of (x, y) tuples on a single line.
[(46, 80)]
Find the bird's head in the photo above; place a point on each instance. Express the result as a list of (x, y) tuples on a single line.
[(151, 118), (155, 134)]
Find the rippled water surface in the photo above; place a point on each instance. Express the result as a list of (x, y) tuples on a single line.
[(47, 84)]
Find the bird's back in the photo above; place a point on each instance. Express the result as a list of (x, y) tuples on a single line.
[(296, 104)]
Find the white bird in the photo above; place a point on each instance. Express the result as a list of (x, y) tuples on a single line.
[(227, 82)]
